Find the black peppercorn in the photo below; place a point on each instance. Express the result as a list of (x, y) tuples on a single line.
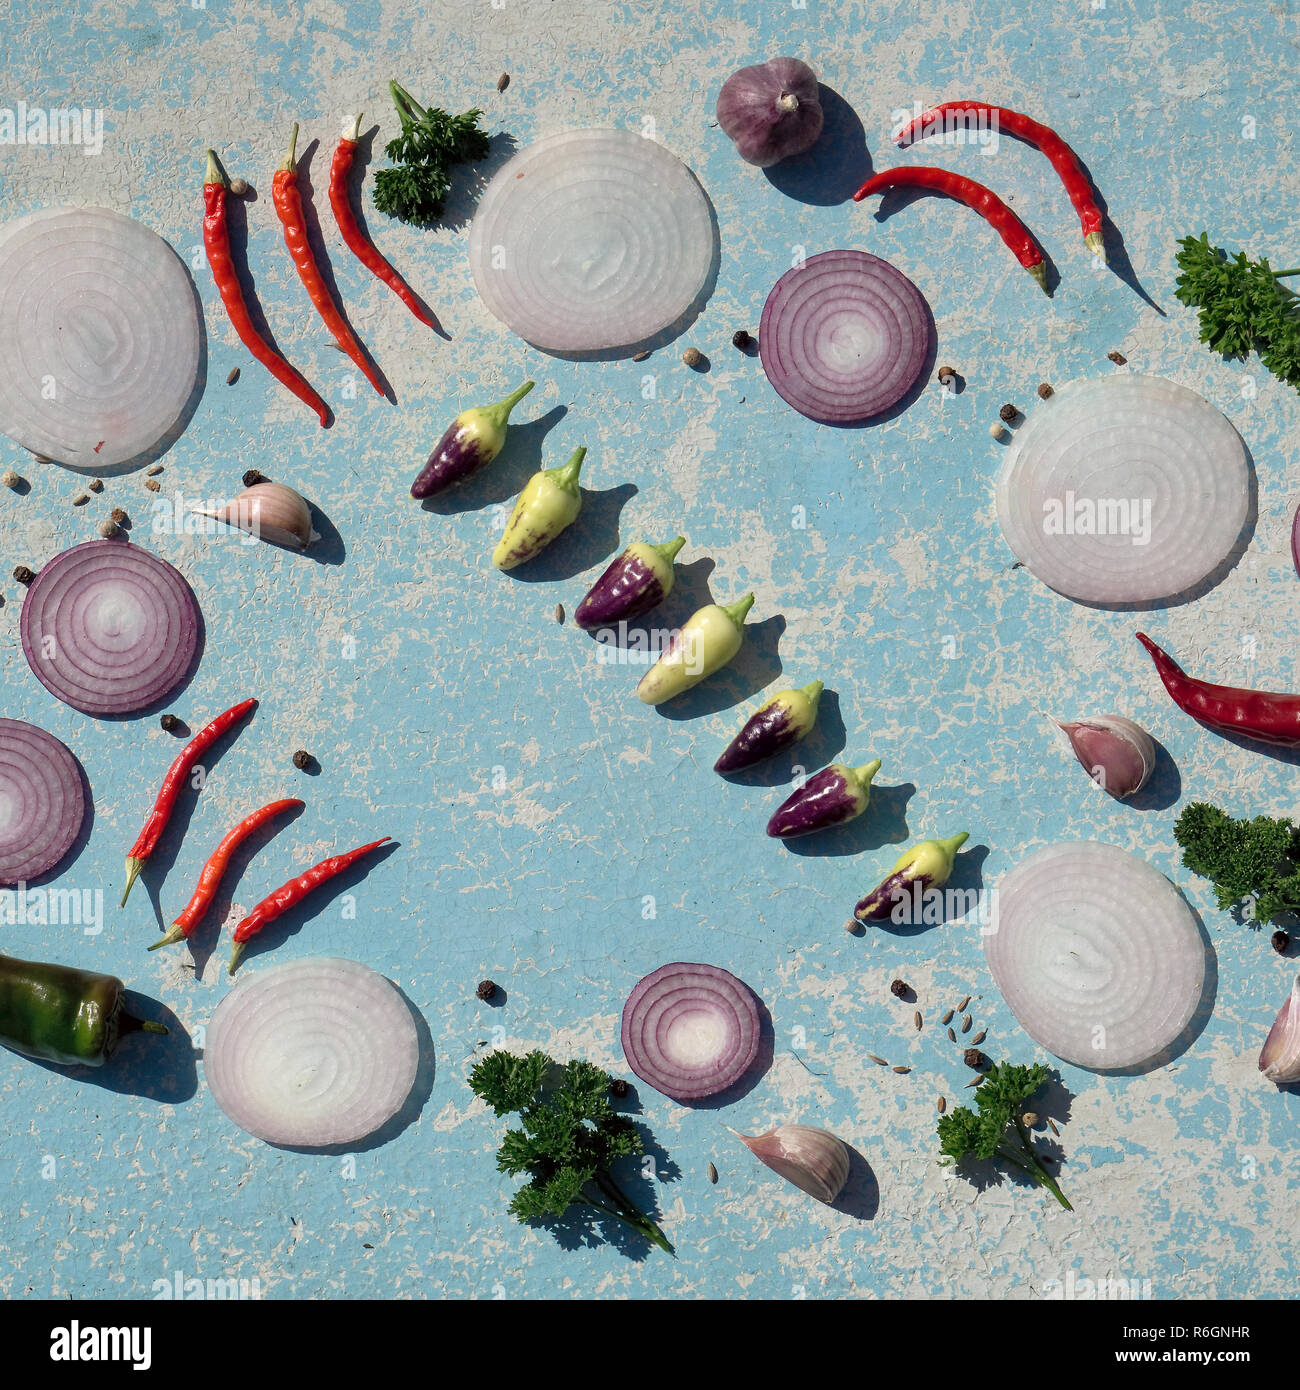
[(947, 375), (253, 477), (119, 517), (1009, 413), (170, 723), (898, 988), (302, 760), (23, 575), (1117, 358), (618, 1088), (741, 339), (486, 990), (975, 1059), (1280, 942), (1045, 391)]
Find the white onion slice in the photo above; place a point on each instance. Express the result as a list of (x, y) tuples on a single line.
[(1097, 955), (42, 801), (109, 628), (844, 336), (1103, 463), (103, 331), (311, 1053), (591, 240)]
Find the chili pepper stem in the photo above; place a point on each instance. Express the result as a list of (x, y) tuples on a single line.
[(133, 867), (813, 689), (215, 173), (736, 611), (670, 549), (290, 165), (128, 1023), (1039, 272), (174, 933), (353, 132), (499, 412), (868, 770), (236, 955), (566, 476), (1096, 244)]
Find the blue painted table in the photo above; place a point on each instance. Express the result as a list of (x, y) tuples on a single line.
[(554, 834)]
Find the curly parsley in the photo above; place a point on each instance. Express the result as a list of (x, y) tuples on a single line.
[(431, 142), (1254, 864), (996, 1129), (1242, 305), (570, 1138)]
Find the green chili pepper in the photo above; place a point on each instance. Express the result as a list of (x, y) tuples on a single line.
[(58, 1014), (550, 500)]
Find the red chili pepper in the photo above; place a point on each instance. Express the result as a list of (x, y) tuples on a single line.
[(216, 242), (1226, 708), (210, 878), (156, 822), (987, 203), (288, 207), (357, 240), (1043, 138), (292, 893)]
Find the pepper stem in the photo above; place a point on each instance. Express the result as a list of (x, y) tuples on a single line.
[(215, 173), (566, 476), (736, 611), (1039, 272), (290, 165), (133, 867), (670, 548), (813, 690), (1096, 244), (955, 842), (867, 771), (353, 132), (236, 955), (128, 1023), (174, 933), (499, 413)]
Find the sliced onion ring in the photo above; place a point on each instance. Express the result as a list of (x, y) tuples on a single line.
[(312, 1052), (109, 628), (1097, 955), (101, 311), (690, 1031), (844, 336), (42, 801), (591, 240), (1104, 463)]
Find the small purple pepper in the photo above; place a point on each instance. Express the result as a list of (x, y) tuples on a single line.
[(777, 724), (474, 438), (832, 796), (639, 578)]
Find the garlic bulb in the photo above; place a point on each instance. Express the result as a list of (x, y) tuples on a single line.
[(1115, 752), (815, 1160), (269, 512), (1280, 1058)]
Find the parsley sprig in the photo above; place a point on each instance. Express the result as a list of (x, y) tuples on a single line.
[(570, 1138), (430, 143), (996, 1129), (1254, 864), (1242, 305)]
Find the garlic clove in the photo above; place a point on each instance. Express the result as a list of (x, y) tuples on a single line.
[(1279, 1059), (814, 1160), (1116, 753), (269, 512)]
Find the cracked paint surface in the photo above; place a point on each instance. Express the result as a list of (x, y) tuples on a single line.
[(557, 836)]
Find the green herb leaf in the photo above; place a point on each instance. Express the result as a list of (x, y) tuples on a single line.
[(430, 144), (1254, 864)]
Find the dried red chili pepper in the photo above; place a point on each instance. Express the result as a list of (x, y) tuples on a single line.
[(210, 878), (216, 242), (984, 201), (358, 241), (292, 893), (1063, 159), (156, 821), (1228, 709), (288, 207)]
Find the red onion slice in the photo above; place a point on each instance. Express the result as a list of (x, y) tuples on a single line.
[(311, 1053), (844, 336), (690, 1031), (108, 320), (1097, 955), (591, 240), (109, 628), (1124, 489), (42, 801)]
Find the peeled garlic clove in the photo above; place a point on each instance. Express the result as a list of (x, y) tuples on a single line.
[(1280, 1058), (1115, 752), (269, 511), (813, 1159)]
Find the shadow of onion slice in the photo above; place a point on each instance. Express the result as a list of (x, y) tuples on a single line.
[(312, 1053)]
